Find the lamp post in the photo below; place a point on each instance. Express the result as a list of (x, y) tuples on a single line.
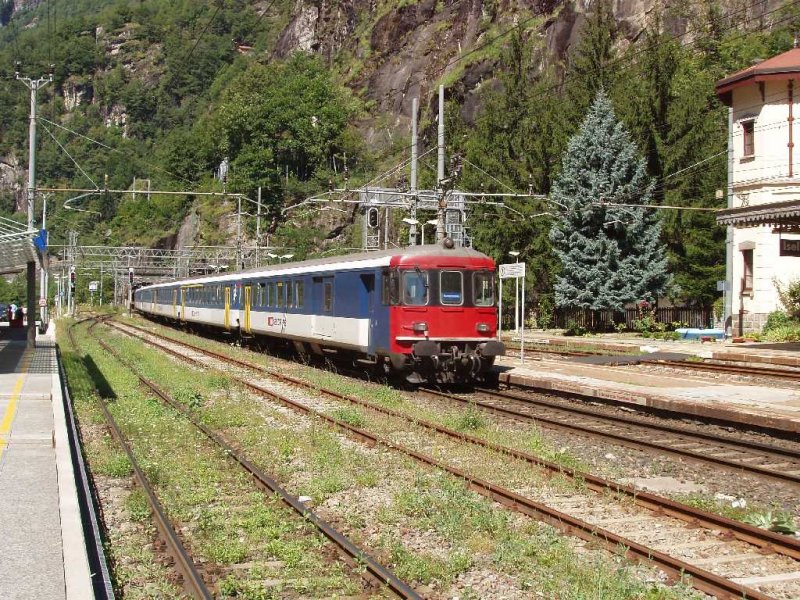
[(280, 257), (412, 241), (431, 222), (515, 254)]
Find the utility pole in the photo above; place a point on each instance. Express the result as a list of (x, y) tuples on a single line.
[(34, 85), (440, 228), (258, 229), (412, 232), (43, 274)]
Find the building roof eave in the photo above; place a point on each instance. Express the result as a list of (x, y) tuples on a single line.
[(776, 214)]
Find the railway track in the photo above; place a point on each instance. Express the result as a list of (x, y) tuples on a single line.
[(759, 540), (704, 365), (750, 371), (376, 574), (184, 564), (764, 460)]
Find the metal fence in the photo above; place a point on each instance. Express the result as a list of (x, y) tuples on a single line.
[(607, 320)]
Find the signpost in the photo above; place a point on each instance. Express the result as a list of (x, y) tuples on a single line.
[(790, 247), (513, 271), (92, 290)]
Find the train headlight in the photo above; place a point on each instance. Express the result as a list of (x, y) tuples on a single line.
[(483, 328), (420, 327)]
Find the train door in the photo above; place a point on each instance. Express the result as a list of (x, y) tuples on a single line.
[(175, 304), (183, 304), (368, 307), (323, 323), (227, 321), (244, 315)]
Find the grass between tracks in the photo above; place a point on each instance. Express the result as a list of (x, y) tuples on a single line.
[(255, 547), (427, 525)]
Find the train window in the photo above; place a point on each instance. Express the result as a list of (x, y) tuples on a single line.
[(415, 287), (451, 288), (298, 293), (483, 288), (280, 295), (289, 295), (389, 290), (327, 299)]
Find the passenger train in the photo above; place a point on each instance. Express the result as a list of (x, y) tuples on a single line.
[(426, 313)]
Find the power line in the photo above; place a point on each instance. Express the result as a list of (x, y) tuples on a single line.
[(112, 149)]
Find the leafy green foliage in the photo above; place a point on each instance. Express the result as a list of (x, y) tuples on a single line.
[(790, 298)]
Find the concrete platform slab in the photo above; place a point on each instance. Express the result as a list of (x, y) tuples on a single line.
[(759, 406), (43, 555)]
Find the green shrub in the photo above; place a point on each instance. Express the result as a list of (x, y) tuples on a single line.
[(781, 327), (790, 298), (784, 333), (776, 320), (574, 329)]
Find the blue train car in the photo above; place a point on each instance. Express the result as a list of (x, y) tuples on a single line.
[(366, 307)]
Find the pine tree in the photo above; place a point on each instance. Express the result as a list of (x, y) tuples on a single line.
[(610, 255)]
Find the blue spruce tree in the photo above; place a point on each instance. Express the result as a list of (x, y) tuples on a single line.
[(610, 255)]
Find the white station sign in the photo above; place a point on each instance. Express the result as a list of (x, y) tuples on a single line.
[(512, 270)]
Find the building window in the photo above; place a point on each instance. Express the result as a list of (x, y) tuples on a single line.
[(748, 138), (747, 272)]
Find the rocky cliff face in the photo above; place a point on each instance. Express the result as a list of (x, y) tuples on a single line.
[(396, 54)]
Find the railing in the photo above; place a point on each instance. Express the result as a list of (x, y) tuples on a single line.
[(607, 320)]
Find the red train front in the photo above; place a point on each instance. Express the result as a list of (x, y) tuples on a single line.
[(442, 314)]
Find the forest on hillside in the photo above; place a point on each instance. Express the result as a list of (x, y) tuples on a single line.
[(165, 91)]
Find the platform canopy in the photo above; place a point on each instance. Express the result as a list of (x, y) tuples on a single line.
[(784, 216), (19, 246)]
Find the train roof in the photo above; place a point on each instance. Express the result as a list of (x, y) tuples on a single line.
[(377, 258)]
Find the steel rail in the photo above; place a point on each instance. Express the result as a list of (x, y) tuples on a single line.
[(768, 540), (356, 555), (775, 451), (701, 579), (192, 580), (733, 369), (88, 499), (751, 371), (625, 440)]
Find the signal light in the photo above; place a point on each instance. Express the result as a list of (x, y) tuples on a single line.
[(372, 217), (130, 276), (72, 277)]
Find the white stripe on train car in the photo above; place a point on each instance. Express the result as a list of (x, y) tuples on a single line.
[(310, 269), (344, 331)]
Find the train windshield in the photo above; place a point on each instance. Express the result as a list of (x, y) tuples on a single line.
[(451, 288), (415, 288), (483, 288)]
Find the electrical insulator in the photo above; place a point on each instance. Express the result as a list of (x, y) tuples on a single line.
[(372, 217)]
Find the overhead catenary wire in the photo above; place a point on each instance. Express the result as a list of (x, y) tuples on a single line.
[(75, 162), (112, 149)]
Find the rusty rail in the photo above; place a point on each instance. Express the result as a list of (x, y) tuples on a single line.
[(701, 579), (356, 555), (192, 580)]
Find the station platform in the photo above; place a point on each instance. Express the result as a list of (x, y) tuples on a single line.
[(771, 407), (43, 551)]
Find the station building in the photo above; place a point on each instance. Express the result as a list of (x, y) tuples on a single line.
[(763, 213)]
